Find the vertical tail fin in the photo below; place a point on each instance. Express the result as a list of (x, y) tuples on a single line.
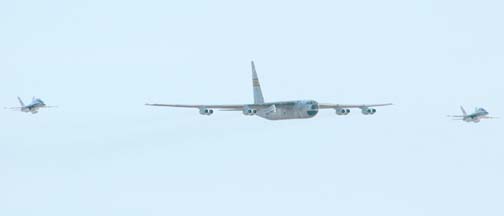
[(463, 111), (20, 101), (258, 96)]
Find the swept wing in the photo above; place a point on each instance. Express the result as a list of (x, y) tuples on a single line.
[(349, 106), (236, 107)]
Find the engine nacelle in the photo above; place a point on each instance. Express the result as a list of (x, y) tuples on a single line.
[(368, 111), (206, 111), (342, 111), (249, 112)]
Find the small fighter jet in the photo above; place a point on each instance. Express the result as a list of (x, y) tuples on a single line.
[(33, 107), (476, 116)]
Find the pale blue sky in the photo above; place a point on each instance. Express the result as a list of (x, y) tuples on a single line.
[(103, 153)]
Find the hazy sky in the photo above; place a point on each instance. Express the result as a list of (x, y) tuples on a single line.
[(102, 152)]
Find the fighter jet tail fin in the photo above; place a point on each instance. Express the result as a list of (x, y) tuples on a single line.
[(21, 102), (463, 110), (258, 96)]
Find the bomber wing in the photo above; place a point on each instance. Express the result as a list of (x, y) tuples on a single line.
[(235, 107), (344, 109), (346, 106)]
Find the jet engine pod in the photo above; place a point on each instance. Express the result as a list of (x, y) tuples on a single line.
[(342, 111), (368, 111), (373, 111), (206, 111), (249, 112)]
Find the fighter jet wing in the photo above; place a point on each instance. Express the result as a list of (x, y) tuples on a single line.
[(14, 108), (455, 116), (490, 117)]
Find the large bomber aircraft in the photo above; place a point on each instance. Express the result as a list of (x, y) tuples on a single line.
[(298, 109), (33, 107), (476, 116)]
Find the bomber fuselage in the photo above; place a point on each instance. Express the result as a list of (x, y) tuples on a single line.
[(300, 109)]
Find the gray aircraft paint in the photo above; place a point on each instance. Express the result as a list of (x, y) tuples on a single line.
[(475, 117), (33, 107), (285, 110), (296, 109), (258, 96)]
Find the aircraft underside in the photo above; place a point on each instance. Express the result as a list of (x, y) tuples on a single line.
[(472, 119), (32, 110), (290, 110), (286, 114)]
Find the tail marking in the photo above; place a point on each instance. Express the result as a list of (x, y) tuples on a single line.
[(258, 96)]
